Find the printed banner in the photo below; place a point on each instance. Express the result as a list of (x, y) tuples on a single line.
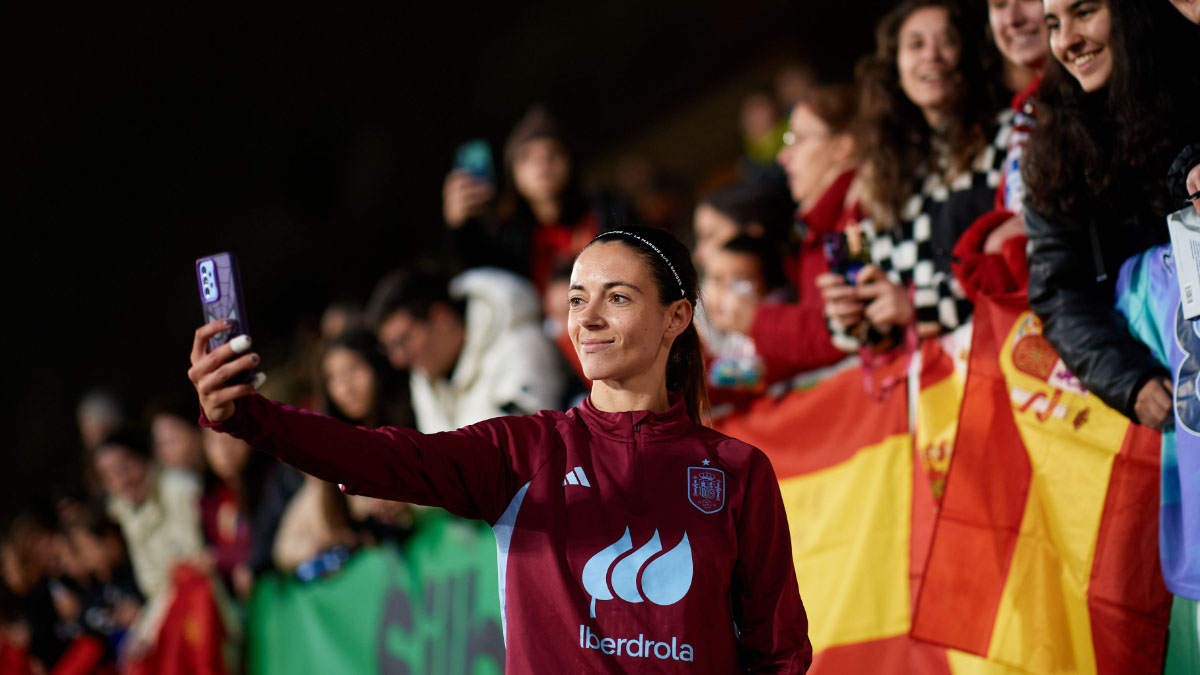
[(430, 607)]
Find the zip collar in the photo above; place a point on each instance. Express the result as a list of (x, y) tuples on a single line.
[(622, 426), (826, 214)]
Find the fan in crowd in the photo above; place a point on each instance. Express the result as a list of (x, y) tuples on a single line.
[(541, 218), (932, 147), (1117, 106)]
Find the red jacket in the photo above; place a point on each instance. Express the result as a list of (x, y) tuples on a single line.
[(793, 337), (584, 504), (1008, 270)]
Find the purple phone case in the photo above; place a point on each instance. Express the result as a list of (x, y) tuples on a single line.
[(220, 288)]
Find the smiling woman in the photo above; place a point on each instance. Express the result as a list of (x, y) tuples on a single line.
[(1017, 29), (932, 148), (1117, 103), (1079, 37), (624, 344), (569, 494)]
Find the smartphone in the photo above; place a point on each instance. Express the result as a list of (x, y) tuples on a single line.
[(475, 157), (221, 298), (841, 259)]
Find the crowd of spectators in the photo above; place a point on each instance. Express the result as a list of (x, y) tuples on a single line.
[(865, 216)]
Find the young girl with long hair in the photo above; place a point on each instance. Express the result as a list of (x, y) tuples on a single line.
[(541, 217), (990, 256), (358, 385)]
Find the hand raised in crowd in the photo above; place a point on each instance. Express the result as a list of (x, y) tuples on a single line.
[(887, 303), (1193, 186), (464, 197), (210, 372), (842, 304), (1153, 405)]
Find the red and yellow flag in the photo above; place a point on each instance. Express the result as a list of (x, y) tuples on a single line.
[(1044, 556), (845, 465), (984, 515)]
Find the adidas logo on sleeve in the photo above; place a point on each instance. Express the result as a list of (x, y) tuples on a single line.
[(576, 476)]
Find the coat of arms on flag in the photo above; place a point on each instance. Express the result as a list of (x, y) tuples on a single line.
[(706, 488)]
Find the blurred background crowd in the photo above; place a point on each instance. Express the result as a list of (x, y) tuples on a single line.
[(846, 194)]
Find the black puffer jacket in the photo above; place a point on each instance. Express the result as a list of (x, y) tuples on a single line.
[(1072, 276), (1183, 164)]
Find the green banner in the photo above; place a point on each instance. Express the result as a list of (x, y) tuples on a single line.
[(428, 607), (1183, 640)]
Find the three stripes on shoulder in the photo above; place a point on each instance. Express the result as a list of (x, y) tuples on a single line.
[(576, 476)]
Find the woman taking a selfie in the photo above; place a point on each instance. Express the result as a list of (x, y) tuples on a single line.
[(629, 536)]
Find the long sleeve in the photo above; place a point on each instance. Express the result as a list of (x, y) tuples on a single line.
[(771, 623), (911, 258), (472, 472), (793, 338), (1079, 318), (163, 531), (981, 273)]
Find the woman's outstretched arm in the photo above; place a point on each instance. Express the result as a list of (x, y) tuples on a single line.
[(472, 472)]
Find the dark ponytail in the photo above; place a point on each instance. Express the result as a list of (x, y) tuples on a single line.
[(685, 372), (671, 264)]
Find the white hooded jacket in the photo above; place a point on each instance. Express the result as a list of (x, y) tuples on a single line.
[(507, 365)]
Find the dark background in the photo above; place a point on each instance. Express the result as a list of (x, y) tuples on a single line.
[(311, 140)]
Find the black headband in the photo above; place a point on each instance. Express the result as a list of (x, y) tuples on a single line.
[(679, 281)]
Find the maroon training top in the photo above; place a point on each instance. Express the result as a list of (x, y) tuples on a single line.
[(632, 541)]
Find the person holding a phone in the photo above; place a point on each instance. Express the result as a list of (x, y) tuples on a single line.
[(630, 537), (539, 219), (933, 148), (818, 156)]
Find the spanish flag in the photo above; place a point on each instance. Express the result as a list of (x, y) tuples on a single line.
[(979, 513), (855, 499), (1044, 555)]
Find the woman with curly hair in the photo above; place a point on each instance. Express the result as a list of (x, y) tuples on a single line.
[(932, 147)]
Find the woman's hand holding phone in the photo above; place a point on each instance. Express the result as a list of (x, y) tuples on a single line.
[(842, 304), (887, 303), (211, 371), (464, 196)]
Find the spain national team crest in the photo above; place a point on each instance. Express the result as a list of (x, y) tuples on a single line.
[(706, 488)]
